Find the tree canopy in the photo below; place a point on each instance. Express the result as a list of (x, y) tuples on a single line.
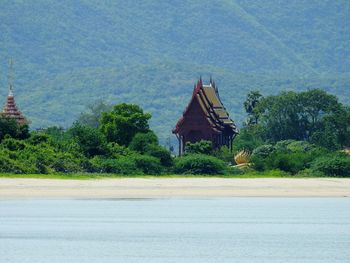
[(313, 115), (122, 123), (9, 126)]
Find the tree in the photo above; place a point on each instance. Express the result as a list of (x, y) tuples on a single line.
[(334, 130), (201, 147), (252, 100), (279, 117), (313, 115), (9, 126), (122, 123), (141, 141), (90, 140), (93, 115)]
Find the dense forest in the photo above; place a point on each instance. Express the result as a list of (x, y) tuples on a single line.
[(68, 54)]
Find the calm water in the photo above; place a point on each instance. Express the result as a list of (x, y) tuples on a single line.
[(216, 230)]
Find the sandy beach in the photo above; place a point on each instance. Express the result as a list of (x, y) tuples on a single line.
[(173, 188)]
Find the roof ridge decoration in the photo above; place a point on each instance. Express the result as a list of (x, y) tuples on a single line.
[(198, 87)]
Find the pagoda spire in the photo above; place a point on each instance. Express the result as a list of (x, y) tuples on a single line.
[(10, 78), (10, 109)]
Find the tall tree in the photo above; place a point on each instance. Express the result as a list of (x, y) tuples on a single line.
[(90, 141), (252, 100), (9, 126), (122, 123), (312, 115), (93, 114)]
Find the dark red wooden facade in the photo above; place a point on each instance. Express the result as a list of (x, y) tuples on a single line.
[(205, 118)]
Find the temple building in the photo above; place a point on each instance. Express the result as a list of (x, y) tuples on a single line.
[(10, 109), (205, 118)]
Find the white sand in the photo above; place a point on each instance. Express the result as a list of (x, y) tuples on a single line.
[(173, 187)]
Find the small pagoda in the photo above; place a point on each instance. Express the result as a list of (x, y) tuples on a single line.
[(10, 109), (205, 118)]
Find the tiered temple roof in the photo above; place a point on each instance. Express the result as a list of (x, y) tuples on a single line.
[(11, 111), (205, 118), (212, 107)]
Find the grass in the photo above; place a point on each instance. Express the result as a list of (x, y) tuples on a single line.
[(87, 176)]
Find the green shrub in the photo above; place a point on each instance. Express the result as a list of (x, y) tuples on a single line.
[(38, 138), (224, 154), (7, 165), (333, 165), (283, 145), (160, 153), (290, 162), (263, 151), (127, 165), (10, 128), (248, 139), (13, 144), (289, 155), (201, 147), (259, 163), (116, 151), (64, 164), (285, 160), (199, 164), (147, 164), (122, 165), (141, 141), (231, 170), (300, 146), (309, 173), (90, 141)]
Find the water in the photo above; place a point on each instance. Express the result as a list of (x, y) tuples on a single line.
[(215, 230)]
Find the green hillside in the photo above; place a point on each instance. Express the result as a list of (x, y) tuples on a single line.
[(70, 53)]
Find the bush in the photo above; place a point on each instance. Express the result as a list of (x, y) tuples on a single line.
[(127, 165), (259, 163), (300, 146), (290, 162), (38, 138), (289, 155), (13, 144), (263, 151), (9, 127), (283, 145), (224, 154), (201, 147), (231, 170), (285, 160), (90, 141), (122, 165), (64, 163), (333, 165), (8, 165), (199, 164), (248, 139), (147, 164), (160, 153), (141, 141), (294, 146), (116, 151)]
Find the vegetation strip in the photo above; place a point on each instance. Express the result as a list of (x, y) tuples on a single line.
[(289, 134)]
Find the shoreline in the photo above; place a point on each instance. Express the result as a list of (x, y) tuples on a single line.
[(136, 188)]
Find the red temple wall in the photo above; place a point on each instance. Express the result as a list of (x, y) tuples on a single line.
[(195, 126)]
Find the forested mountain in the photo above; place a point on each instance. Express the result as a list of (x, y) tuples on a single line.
[(70, 53)]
